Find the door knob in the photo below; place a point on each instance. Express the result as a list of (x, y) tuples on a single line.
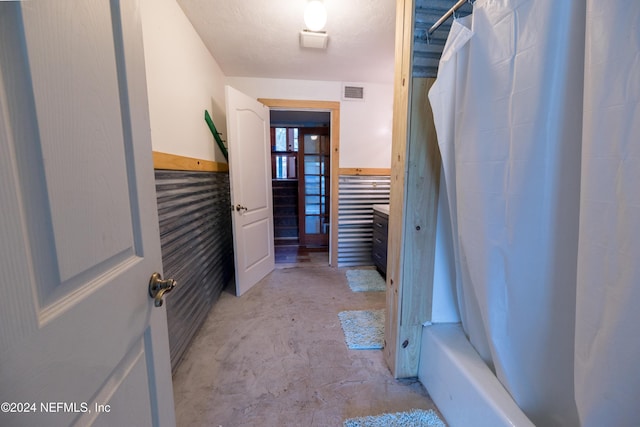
[(240, 208), (159, 287)]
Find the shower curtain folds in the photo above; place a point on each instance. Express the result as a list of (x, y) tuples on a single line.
[(537, 111), (510, 136), (607, 377)]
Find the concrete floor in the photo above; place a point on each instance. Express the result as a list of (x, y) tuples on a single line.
[(276, 357)]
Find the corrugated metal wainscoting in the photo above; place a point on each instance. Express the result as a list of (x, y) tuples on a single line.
[(427, 50), (357, 196), (197, 248)]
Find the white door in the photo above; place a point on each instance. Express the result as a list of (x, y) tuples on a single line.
[(248, 129), (81, 342)]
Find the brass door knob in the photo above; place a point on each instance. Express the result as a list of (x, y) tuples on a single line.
[(159, 287)]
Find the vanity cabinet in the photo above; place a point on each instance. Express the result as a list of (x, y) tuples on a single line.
[(379, 244)]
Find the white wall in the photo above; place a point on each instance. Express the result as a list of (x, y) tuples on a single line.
[(365, 126), (183, 80)]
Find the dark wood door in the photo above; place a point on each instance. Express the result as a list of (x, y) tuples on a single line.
[(314, 186)]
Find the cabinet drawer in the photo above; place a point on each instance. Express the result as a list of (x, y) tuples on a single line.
[(380, 223), (380, 260), (379, 242)]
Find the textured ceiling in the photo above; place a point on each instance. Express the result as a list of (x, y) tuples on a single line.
[(260, 38)]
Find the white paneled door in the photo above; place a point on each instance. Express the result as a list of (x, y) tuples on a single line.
[(81, 342), (248, 126)]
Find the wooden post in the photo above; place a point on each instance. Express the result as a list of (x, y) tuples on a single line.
[(403, 45), (415, 180)]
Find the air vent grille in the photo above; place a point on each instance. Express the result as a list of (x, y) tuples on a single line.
[(353, 92)]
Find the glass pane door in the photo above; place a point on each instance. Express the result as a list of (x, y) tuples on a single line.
[(314, 191)]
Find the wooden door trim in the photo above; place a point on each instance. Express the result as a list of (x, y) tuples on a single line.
[(334, 108)]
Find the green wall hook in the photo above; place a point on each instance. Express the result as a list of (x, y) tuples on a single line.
[(216, 135)]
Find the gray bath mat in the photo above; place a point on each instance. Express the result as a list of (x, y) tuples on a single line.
[(414, 418), (363, 329), (365, 280)]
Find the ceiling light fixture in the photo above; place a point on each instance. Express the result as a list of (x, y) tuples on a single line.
[(315, 15)]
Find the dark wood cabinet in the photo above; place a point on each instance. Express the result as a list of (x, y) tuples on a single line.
[(379, 247)]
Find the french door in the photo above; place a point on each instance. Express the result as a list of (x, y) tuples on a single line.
[(314, 186)]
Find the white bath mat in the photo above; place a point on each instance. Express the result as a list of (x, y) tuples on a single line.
[(363, 329), (413, 418), (365, 280)]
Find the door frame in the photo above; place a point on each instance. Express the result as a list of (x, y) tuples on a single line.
[(332, 107)]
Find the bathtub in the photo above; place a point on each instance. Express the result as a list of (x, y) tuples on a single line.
[(461, 385)]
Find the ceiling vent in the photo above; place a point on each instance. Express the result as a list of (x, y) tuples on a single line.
[(352, 92), (314, 39)]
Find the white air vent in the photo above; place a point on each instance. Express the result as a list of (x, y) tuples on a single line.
[(313, 39), (352, 92)]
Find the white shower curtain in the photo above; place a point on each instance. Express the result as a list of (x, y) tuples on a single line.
[(444, 95), (508, 107), (607, 363)]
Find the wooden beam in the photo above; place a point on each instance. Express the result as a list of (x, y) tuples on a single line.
[(422, 186), (415, 181), (335, 184), (182, 163), (403, 47), (365, 171), (334, 108)]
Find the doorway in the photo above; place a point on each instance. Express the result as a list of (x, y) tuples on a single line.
[(313, 187), (307, 166), (300, 165)]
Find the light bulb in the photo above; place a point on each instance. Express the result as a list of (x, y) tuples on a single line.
[(315, 15)]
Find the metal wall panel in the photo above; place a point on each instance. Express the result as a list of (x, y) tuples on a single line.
[(357, 195), (197, 248), (427, 50)]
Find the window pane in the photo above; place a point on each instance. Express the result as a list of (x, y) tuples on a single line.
[(292, 170), (312, 185), (281, 139), (324, 144), (312, 165), (313, 200), (324, 223), (313, 205), (295, 139), (285, 166), (311, 145), (312, 209), (312, 225), (281, 167)]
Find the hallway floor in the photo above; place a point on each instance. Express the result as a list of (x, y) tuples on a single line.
[(297, 256), (276, 357)]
